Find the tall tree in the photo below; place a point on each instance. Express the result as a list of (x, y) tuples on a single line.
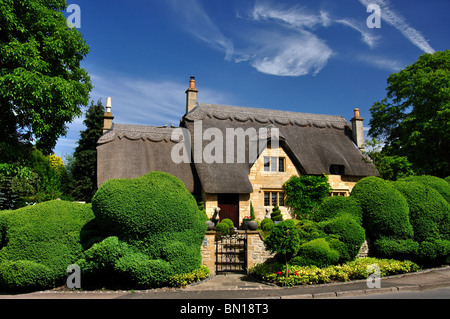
[(84, 166), (414, 118), (42, 86)]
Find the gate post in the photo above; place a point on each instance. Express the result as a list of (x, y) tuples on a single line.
[(208, 251)]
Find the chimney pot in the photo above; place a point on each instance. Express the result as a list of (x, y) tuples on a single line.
[(191, 95), (108, 104), (356, 113), (107, 117)]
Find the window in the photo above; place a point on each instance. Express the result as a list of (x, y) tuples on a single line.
[(274, 164), (337, 169), (344, 194), (272, 198)]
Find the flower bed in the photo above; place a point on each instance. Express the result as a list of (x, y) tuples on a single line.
[(354, 270)]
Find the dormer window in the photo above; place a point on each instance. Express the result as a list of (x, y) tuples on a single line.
[(274, 164), (337, 169)]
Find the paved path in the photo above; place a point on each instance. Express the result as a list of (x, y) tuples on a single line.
[(234, 286)]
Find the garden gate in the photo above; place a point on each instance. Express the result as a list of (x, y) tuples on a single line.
[(231, 253)]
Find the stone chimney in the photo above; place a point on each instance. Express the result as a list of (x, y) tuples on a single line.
[(107, 117), (358, 130), (191, 95)]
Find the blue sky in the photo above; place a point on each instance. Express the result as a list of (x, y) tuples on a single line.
[(313, 56)]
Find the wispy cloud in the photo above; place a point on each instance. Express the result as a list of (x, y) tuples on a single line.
[(393, 18), (383, 63), (198, 23)]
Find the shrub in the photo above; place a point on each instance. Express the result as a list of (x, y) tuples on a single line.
[(228, 222), (347, 231), (447, 179), (276, 214), (434, 182), (395, 248), (183, 280), (308, 230), (284, 240), (338, 205), (434, 252), (25, 275), (429, 212), (316, 252), (354, 270), (157, 217), (224, 228), (306, 192), (267, 224), (44, 238), (385, 210)]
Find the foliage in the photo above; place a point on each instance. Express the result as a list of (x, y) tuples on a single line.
[(42, 86), (434, 182), (305, 193), (158, 219), (390, 167), (267, 224), (338, 205), (225, 227), (429, 212), (401, 249), (194, 276), (84, 166), (354, 270), (276, 215), (385, 210), (41, 241), (348, 231), (413, 119), (315, 252), (284, 240)]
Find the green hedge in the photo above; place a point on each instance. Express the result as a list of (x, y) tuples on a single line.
[(158, 220), (437, 183), (385, 210), (316, 252), (338, 205), (42, 241), (348, 231), (429, 212)]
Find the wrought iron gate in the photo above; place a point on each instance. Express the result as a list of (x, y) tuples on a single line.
[(231, 253)]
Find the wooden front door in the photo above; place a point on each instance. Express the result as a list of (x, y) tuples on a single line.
[(229, 207)]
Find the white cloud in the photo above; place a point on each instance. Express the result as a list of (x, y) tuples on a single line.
[(397, 21), (196, 21), (294, 55), (382, 62)]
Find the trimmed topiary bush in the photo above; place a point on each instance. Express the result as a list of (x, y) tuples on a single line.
[(338, 205), (39, 242), (316, 252), (385, 210), (267, 224), (348, 231), (434, 182), (399, 249), (276, 214), (158, 220), (429, 212)]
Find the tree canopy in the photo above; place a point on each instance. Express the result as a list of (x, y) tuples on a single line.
[(42, 86), (414, 118)]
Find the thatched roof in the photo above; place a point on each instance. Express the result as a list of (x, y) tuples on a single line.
[(129, 151), (313, 142)]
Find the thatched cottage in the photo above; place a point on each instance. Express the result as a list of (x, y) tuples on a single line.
[(229, 156)]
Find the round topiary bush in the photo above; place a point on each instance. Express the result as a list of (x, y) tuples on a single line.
[(157, 217), (316, 252), (347, 231), (276, 214), (267, 224), (429, 212), (385, 210), (39, 242), (336, 206), (432, 181)]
